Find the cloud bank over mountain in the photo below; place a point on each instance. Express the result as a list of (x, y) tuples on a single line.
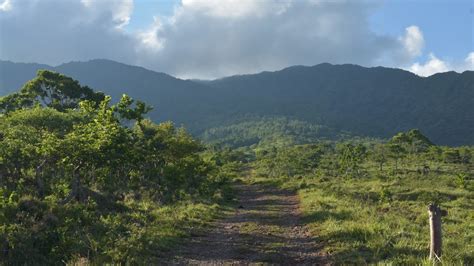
[(210, 38)]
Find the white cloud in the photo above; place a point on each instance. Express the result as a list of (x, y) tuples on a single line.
[(430, 67), (235, 8), (469, 61), (413, 41), (206, 38), (57, 31), (6, 5), (435, 65), (148, 38), (214, 38), (121, 10)]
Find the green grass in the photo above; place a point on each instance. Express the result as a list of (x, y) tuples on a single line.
[(160, 228), (383, 219), (149, 230)]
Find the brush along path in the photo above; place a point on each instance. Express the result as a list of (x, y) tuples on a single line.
[(264, 228)]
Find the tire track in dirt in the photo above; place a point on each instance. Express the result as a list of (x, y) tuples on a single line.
[(266, 228)]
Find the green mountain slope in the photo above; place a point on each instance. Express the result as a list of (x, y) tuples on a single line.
[(274, 131), (366, 101), (376, 102)]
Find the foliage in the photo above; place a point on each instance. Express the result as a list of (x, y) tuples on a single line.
[(82, 179), (376, 102), (50, 89), (350, 157), (269, 131), (77, 183)]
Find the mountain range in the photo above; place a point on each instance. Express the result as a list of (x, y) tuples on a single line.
[(374, 102)]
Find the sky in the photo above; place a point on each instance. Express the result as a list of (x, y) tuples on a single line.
[(208, 39)]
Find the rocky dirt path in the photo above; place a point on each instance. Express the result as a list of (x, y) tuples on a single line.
[(264, 228)]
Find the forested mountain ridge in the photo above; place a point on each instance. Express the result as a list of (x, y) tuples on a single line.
[(376, 102), (367, 101)]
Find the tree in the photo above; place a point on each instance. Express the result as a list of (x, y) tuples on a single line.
[(77, 173), (125, 110), (50, 89), (380, 154), (351, 156), (412, 141), (397, 152)]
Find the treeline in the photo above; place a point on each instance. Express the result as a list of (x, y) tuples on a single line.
[(83, 178), (350, 157)]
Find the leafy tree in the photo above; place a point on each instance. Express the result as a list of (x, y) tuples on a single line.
[(397, 152), (124, 108), (351, 156), (412, 141), (50, 89), (71, 164), (380, 154)]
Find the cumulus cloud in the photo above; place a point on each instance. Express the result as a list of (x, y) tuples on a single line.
[(120, 10), (413, 41), (435, 65), (6, 5), (57, 31), (216, 38), (234, 8), (469, 61), (205, 38), (430, 67)]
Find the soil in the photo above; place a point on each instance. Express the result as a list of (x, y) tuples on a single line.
[(264, 228)]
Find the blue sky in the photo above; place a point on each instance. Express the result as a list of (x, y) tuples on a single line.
[(145, 10), (216, 38), (447, 25)]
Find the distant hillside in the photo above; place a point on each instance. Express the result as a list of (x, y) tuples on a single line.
[(172, 98), (275, 131), (375, 102), (366, 101), (14, 75)]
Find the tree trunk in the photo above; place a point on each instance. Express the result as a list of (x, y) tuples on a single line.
[(39, 179), (76, 187)]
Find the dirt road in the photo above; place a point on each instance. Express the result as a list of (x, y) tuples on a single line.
[(264, 228)]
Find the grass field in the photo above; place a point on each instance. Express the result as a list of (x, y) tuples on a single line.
[(382, 218)]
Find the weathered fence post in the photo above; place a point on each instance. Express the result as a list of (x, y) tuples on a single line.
[(435, 213)]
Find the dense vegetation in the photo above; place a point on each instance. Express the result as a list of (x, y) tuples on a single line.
[(84, 180), (265, 131), (367, 201), (374, 102)]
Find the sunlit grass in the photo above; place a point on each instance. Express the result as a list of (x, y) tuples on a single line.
[(382, 218)]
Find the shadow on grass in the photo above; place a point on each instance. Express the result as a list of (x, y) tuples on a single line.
[(321, 216), (366, 255)]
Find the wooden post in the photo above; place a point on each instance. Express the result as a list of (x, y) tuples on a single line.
[(435, 213)]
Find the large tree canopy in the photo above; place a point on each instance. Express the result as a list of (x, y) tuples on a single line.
[(50, 89), (72, 164)]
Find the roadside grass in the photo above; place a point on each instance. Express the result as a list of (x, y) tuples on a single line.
[(147, 231), (382, 218)]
